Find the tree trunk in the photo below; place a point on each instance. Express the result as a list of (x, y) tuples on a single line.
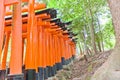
[(98, 42), (115, 11), (81, 52), (110, 70), (92, 31), (88, 9), (85, 46), (101, 35)]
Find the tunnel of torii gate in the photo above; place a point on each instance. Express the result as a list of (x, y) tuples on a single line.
[(40, 42)]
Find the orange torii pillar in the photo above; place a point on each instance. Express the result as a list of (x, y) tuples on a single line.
[(3, 4), (46, 53), (50, 48), (70, 50), (30, 53), (63, 47), (16, 50), (63, 50), (54, 69), (51, 67), (43, 74), (43, 60), (57, 53), (59, 43), (34, 66), (34, 40), (49, 52), (67, 50), (2, 15), (65, 37), (41, 63), (5, 49), (70, 47), (73, 50), (35, 47), (42, 50)]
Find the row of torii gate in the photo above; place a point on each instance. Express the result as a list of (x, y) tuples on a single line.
[(40, 43)]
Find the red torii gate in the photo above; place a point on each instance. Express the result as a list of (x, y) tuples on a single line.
[(16, 37), (32, 31)]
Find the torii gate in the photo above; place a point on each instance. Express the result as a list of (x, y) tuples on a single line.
[(3, 4), (16, 37)]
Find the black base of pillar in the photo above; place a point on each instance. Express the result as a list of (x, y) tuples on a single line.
[(41, 73), (23, 68), (49, 71), (8, 71), (63, 61), (37, 76), (53, 71), (66, 61), (30, 74), (2, 74), (46, 73), (73, 57), (59, 66), (15, 77)]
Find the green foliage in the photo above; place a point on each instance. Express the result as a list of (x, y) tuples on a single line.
[(78, 12), (109, 39)]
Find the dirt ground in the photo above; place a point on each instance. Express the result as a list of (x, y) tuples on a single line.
[(82, 70)]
